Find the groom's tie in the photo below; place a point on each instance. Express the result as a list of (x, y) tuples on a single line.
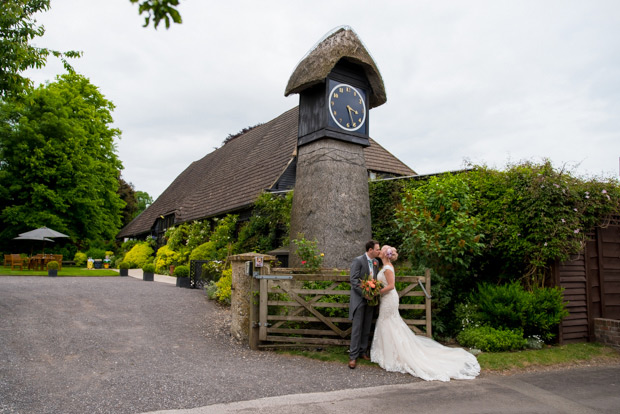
[(371, 267)]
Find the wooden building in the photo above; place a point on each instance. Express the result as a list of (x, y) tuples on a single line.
[(230, 179)]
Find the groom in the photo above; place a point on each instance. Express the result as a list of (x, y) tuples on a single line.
[(359, 311)]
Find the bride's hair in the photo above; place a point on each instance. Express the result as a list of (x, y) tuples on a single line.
[(390, 253)]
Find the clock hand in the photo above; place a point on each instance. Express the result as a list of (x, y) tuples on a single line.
[(350, 116), (351, 110)]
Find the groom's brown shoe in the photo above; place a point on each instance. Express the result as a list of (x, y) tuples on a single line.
[(366, 357), (352, 363)]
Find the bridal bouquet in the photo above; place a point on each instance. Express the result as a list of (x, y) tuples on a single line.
[(371, 290)]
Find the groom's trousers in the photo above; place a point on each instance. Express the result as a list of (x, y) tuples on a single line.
[(360, 331)]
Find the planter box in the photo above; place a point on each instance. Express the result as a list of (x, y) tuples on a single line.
[(184, 282), (52, 272), (124, 272), (148, 277)]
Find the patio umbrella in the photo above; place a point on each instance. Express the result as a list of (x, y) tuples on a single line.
[(33, 237), (42, 232)]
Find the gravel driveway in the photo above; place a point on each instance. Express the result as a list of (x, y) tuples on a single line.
[(121, 345)]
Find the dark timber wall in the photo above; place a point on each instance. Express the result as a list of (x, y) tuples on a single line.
[(592, 284)]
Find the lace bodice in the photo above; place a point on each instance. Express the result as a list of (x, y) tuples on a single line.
[(388, 306)]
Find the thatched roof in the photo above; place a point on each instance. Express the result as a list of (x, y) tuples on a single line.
[(232, 177), (342, 43)]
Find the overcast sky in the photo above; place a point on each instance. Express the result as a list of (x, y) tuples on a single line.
[(490, 82)]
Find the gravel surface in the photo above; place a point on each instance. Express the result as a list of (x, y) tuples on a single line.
[(122, 345)]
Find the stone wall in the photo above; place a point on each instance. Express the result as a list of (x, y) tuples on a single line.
[(607, 331), (241, 292)]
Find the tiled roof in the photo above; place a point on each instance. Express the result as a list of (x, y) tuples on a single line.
[(233, 176)]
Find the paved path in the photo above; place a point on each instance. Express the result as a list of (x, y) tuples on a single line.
[(122, 345), (588, 390)]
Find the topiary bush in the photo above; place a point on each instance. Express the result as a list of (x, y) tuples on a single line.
[(181, 271), (123, 265), (148, 268), (53, 265), (488, 339)]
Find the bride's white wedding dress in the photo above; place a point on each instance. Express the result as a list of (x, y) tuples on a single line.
[(396, 348)]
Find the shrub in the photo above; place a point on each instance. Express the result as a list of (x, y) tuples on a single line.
[(546, 311), (220, 241), (224, 287), (503, 306), (181, 271), (308, 252), (205, 251), (96, 253), (489, 339), (211, 290), (123, 265), (128, 245), (53, 265), (468, 315), (148, 268), (537, 313), (139, 254), (164, 258), (80, 259)]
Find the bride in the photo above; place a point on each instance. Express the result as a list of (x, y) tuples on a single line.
[(396, 348)]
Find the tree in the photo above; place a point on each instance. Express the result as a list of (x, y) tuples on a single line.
[(58, 162), (128, 195), (159, 10), (144, 200), (17, 29)]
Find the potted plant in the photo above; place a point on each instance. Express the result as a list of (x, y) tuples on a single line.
[(52, 268), (182, 274), (148, 272), (123, 268)]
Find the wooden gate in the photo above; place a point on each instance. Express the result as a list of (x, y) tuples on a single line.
[(312, 309)]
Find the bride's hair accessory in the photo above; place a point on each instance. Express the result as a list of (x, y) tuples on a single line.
[(390, 252)]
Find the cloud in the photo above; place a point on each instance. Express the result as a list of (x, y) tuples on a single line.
[(484, 81)]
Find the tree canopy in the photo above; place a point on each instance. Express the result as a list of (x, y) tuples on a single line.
[(17, 29), (158, 10), (58, 162)]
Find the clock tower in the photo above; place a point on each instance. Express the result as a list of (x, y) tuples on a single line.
[(338, 83)]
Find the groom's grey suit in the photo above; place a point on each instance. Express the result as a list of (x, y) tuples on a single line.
[(359, 311)]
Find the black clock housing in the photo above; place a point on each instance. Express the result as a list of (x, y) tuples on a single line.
[(345, 92)]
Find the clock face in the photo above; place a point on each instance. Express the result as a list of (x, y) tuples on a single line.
[(347, 107)]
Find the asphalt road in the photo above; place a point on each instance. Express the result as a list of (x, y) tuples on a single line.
[(121, 345)]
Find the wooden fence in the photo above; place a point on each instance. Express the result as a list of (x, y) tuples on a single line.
[(291, 309)]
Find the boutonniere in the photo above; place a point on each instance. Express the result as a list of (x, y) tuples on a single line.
[(374, 263)]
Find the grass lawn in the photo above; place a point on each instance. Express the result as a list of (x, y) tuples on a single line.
[(66, 271), (548, 357)]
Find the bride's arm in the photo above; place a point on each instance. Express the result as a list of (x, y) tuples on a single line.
[(391, 280)]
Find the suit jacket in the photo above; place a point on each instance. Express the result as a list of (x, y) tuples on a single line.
[(359, 272)]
